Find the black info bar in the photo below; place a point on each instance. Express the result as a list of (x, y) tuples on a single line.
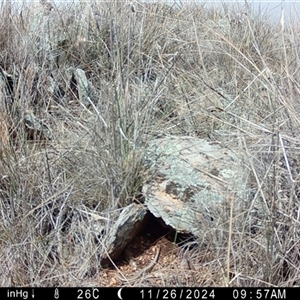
[(124, 293)]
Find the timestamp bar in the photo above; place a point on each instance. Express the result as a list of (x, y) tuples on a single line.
[(149, 293)]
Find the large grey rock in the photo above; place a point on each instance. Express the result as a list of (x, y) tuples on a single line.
[(191, 180)]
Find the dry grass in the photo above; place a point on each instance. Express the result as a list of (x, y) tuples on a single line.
[(159, 70)]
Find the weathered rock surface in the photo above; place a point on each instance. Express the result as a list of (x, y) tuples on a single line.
[(130, 222), (81, 86), (191, 178), (35, 128)]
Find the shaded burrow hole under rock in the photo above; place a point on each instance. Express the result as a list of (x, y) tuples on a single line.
[(155, 232)]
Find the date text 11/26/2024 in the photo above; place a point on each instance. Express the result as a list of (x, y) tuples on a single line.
[(216, 293)]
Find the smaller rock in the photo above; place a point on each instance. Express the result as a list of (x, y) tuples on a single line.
[(131, 221), (36, 128)]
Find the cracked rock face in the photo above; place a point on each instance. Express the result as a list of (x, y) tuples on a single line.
[(191, 178)]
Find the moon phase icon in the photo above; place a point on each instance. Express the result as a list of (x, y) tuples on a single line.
[(119, 294)]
